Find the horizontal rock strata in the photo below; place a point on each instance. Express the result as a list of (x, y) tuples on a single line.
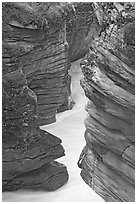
[(108, 159), (81, 28), (45, 38), (25, 147), (35, 32), (28, 153)]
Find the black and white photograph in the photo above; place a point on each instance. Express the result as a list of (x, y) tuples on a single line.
[(68, 101)]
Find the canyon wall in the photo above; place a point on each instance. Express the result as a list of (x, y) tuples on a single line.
[(51, 35), (81, 28), (38, 31), (28, 153), (108, 159), (39, 42)]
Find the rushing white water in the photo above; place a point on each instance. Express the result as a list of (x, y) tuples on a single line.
[(70, 128)]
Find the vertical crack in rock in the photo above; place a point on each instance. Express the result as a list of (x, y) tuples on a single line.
[(81, 28), (108, 159)]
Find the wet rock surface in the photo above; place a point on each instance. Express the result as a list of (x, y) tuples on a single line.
[(108, 159), (28, 153)]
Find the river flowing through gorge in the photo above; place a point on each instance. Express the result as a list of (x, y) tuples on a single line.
[(70, 128), (68, 102)]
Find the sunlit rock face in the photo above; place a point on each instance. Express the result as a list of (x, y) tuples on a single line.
[(108, 159), (28, 153)]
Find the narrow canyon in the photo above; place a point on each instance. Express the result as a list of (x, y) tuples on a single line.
[(68, 102)]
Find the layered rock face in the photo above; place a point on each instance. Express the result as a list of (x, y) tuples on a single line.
[(36, 84), (38, 30), (28, 153), (49, 36), (81, 28), (108, 159)]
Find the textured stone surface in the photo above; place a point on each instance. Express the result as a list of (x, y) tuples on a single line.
[(82, 28), (48, 177), (36, 35), (108, 159), (28, 153), (45, 38), (25, 147)]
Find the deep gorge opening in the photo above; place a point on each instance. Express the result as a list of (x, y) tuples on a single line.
[(69, 127), (37, 90)]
